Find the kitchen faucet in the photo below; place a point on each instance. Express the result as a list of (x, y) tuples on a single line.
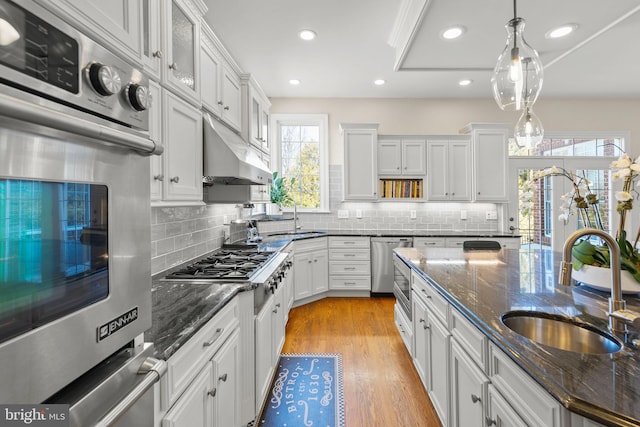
[(296, 227), (619, 316)]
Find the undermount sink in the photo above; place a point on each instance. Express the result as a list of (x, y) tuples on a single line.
[(560, 332)]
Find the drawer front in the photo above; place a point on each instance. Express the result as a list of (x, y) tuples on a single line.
[(310, 244), (358, 268), (183, 366), (345, 282), (471, 339), (349, 255), (530, 400), (348, 242), (432, 298), (404, 328), (429, 242)]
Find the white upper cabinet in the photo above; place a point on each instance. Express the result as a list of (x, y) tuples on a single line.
[(255, 119), (490, 156), (151, 49), (115, 23), (403, 156), (360, 160), (183, 150), (448, 170), (181, 42), (220, 82)]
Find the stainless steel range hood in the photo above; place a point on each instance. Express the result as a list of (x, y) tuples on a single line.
[(228, 159)]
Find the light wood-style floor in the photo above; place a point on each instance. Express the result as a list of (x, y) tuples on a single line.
[(381, 386)]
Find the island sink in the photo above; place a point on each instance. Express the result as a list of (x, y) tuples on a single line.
[(561, 332)]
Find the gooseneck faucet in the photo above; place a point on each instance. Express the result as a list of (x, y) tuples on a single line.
[(619, 316), (296, 227)]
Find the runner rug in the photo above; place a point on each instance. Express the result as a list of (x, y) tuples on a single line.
[(306, 391)]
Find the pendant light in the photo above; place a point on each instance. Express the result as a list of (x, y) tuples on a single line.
[(528, 131), (517, 78)]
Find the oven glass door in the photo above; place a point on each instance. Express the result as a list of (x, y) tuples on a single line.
[(54, 251)]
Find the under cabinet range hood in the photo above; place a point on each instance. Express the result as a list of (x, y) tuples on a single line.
[(228, 158)]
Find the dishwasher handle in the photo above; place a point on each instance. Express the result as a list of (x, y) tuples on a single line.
[(152, 369)]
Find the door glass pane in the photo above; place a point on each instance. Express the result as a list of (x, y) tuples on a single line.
[(183, 47)]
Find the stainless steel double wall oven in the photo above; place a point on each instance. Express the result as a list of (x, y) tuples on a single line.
[(74, 203)]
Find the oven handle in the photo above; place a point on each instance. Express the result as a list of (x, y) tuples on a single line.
[(153, 369), (33, 113)]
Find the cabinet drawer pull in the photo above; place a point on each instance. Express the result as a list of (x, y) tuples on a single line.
[(349, 268), (175, 179), (213, 392), (350, 283), (158, 177), (475, 399), (346, 255), (173, 66), (157, 54), (212, 340), (222, 378)]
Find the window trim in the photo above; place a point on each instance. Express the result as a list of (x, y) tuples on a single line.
[(322, 120)]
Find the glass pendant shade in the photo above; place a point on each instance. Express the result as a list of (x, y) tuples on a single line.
[(529, 131), (517, 78)]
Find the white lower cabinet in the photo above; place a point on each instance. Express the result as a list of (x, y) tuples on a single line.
[(349, 263), (470, 381), (468, 389), (500, 413), (311, 268), (269, 335), (194, 408), (212, 398), (431, 347), (202, 384)]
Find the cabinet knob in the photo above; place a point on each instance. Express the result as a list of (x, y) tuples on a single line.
[(220, 102), (173, 66), (175, 179), (158, 177), (226, 107), (475, 399), (157, 54), (213, 392), (275, 311), (478, 193), (490, 422), (222, 377)]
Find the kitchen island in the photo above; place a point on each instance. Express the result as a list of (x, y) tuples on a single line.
[(483, 285)]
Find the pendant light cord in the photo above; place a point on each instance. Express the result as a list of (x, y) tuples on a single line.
[(515, 15)]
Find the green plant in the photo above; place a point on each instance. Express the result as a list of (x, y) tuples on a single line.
[(280, 190)]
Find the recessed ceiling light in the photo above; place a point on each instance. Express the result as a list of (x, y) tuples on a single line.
[(307, 35), (379, 82), (465, 82), (294, 82), (561, 31), (453, 32)]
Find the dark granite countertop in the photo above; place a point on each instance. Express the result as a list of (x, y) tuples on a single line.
[(180, 309), (604, 387)]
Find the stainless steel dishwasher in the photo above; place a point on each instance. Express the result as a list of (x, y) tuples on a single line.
[(382, 262)]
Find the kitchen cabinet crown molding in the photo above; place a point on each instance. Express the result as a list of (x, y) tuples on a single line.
[(212, 41)]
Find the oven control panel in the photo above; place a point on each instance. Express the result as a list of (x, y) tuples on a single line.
[(43, 56)]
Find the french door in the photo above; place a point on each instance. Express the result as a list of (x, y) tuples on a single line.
[(541, 225)]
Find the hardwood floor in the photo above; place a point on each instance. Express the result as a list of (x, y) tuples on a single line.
[(381, 386)]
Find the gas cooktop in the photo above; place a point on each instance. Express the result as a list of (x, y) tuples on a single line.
[(224, 264)]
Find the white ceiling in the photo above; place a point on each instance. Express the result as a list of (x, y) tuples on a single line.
[(399, 41)]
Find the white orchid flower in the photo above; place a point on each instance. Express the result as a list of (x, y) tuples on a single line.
[(623, 196)]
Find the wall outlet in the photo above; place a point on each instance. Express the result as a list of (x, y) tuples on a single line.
[(412, 214), (463, 215), (358, 213), (492, 215), (343, 214)]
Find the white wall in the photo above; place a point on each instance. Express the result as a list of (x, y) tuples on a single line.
[(448, 116)]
